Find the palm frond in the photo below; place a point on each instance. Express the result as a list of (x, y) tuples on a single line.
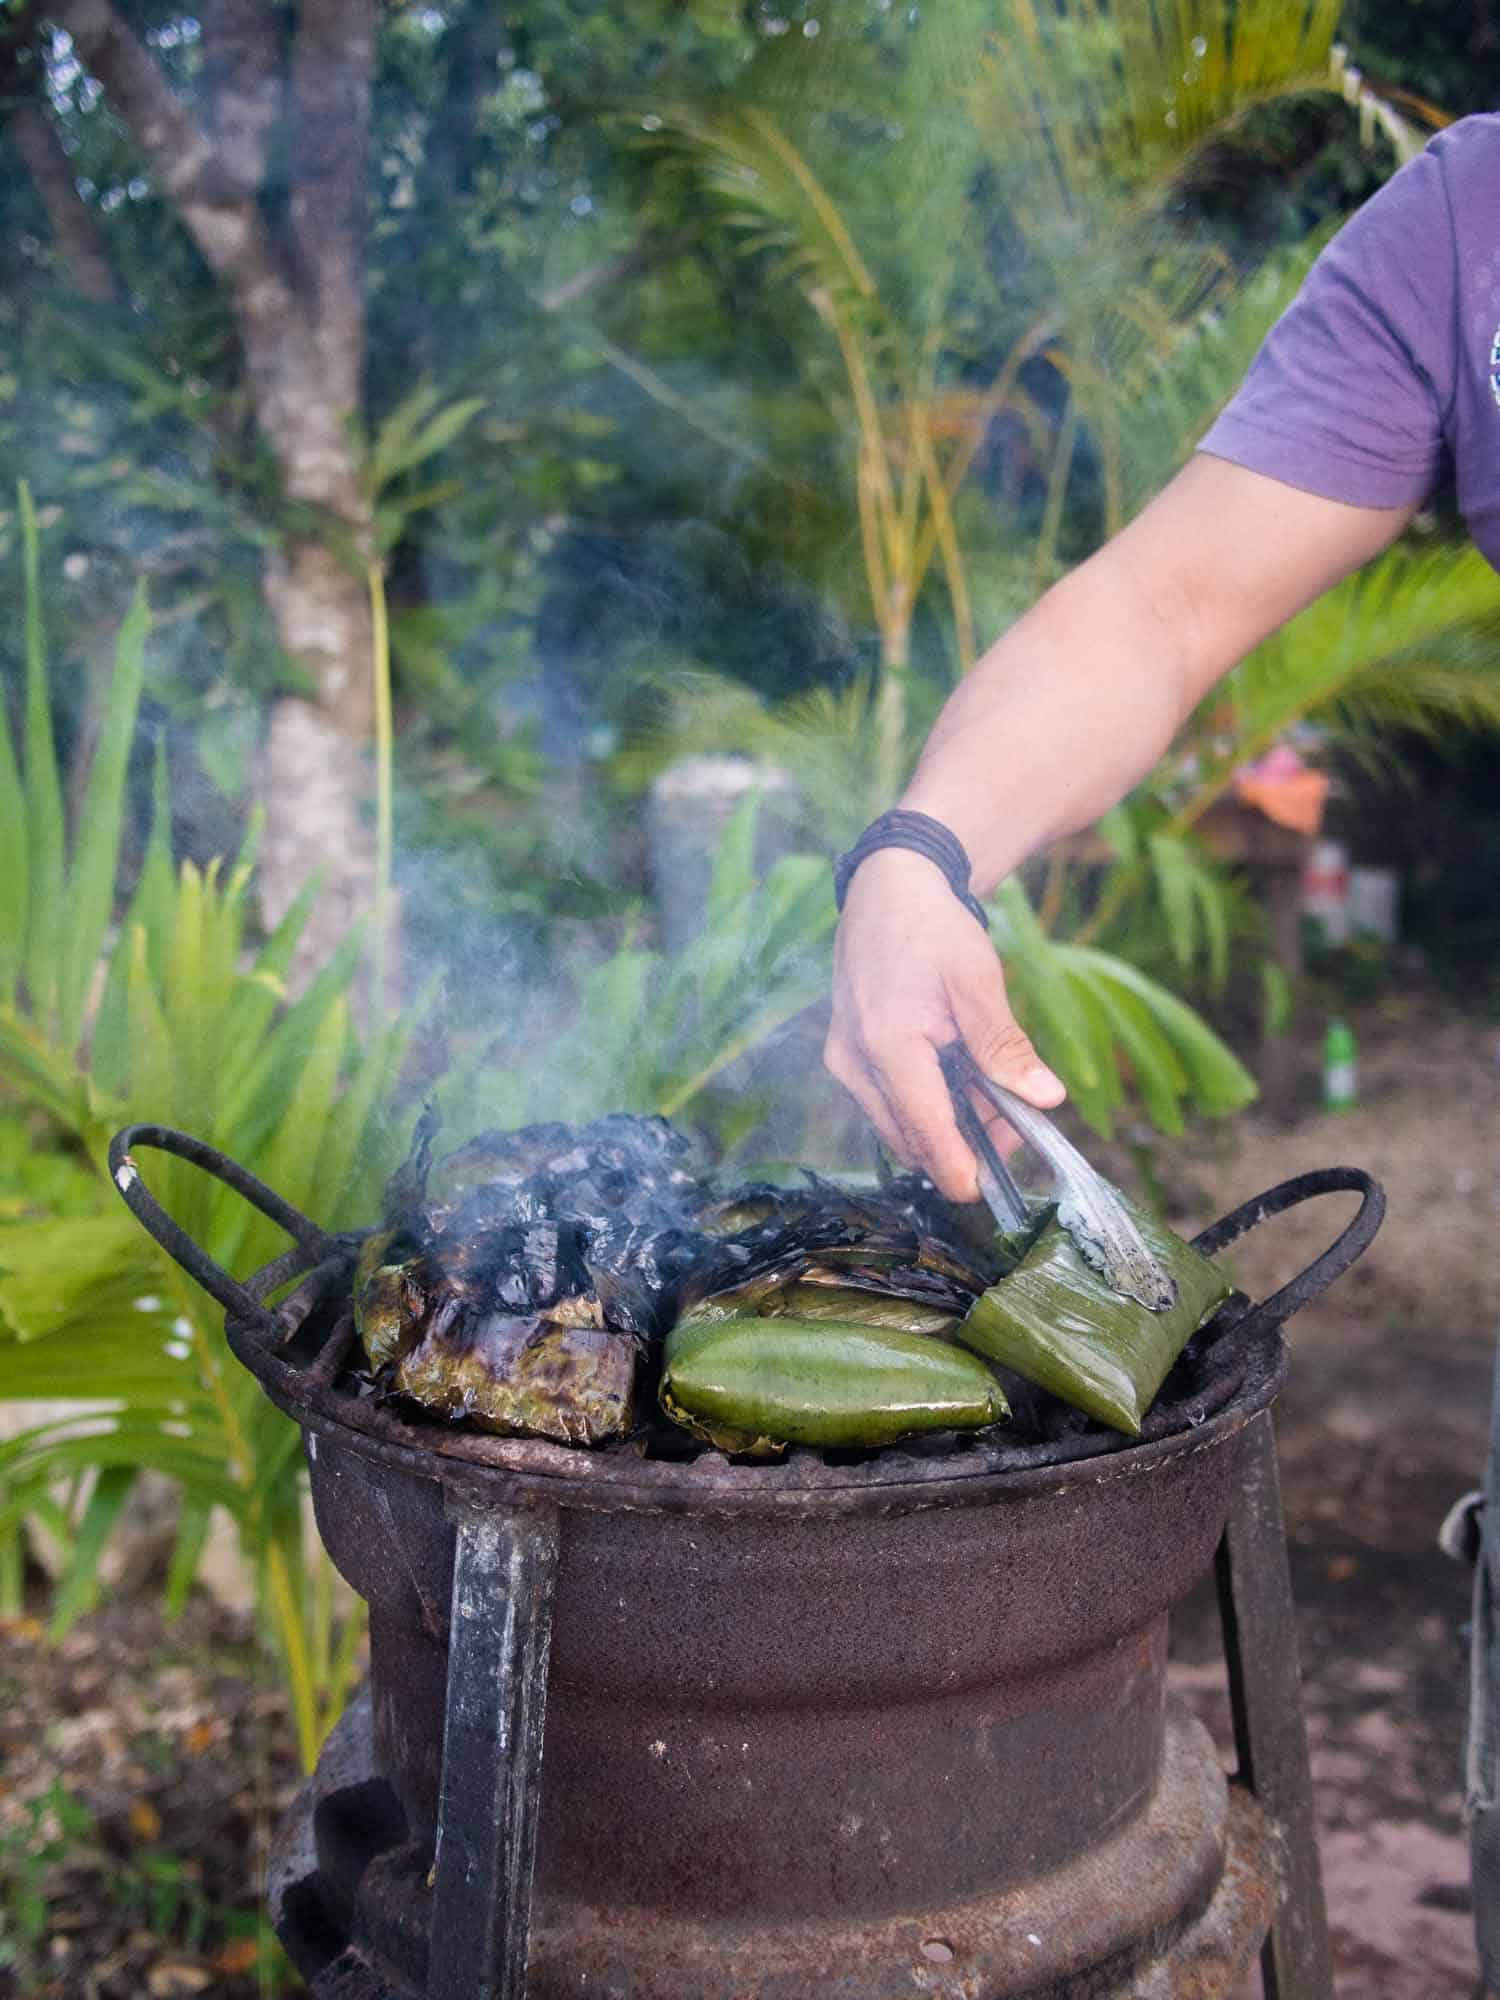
[(650, 1033), (1411, 641), (1100, 97), (770, 194), (166, 1024), (1110, 1030)]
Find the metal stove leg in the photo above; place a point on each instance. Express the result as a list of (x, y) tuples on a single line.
[(490, 1795), (1260, 1646)]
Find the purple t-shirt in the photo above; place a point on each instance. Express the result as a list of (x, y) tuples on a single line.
[(1387, 363)]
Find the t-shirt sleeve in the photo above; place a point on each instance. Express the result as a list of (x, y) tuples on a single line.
[(1351, 394)]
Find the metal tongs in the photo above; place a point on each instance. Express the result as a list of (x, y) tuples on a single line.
[(1088, 1208)]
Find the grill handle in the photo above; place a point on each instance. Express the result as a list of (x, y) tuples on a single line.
[(1345, 1249), (314, 1245)]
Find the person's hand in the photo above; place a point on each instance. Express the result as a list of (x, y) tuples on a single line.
[(913, 971)]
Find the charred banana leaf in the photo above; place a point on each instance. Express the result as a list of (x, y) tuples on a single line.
[(389, 1306), (525, 1378), (752, 1386), (493, 1256), (1059, 1323)]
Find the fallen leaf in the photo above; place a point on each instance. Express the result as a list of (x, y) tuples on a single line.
[(145, 1820), (202, 1736), (241, 1956), (29, 1629)]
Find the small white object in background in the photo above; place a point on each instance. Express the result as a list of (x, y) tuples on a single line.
[(1325, 891), (1374, 903)]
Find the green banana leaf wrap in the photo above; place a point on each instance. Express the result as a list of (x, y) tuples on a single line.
[(752, 1386), (815, 1295), (1060, 1325)]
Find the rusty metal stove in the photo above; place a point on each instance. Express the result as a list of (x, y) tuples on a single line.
[(857, 1725)]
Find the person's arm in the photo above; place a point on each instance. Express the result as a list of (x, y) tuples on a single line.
[(1061, 717)]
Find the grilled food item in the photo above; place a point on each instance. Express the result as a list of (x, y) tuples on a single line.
[(518, 1281), (525, 1378), (1095, 1215), (753, 1386), (811, 1298), (526, 1283), (1057, 1322)]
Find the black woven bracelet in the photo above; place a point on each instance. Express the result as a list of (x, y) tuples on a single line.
[(929, 838)]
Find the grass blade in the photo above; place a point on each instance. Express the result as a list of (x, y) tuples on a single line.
[(15, 876), (78, 1587), (194, 1520), (44, 806), (96, 854)]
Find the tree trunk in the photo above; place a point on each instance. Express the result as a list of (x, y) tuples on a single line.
[(315, 767), (295, 279), (72, 226)]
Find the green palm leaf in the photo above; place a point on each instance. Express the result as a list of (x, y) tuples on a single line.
[(92, 1313), (1410, 642)]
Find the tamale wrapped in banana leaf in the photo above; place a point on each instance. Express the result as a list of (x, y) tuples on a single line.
[(525, 1378), (801, 1298), (519, 1280), (1055, 1321), (752, 1386)]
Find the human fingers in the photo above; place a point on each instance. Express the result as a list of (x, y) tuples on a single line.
[(920, 1108), (847, 1067), (999, 1045), (901, 930)]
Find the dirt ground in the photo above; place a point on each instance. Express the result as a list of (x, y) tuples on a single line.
[(140, 1769), (1382, 1426)]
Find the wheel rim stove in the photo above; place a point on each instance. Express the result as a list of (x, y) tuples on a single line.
[(525, 1545)]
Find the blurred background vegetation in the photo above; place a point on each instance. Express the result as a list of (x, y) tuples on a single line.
[(490, 408)]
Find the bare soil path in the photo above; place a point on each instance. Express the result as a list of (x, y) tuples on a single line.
[(1383, 1425)]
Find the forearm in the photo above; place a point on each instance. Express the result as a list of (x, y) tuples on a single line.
[(1068, 711), (1080, 698), (1061, 717)]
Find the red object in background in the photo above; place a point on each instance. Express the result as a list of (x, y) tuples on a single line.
[(1285, 789)]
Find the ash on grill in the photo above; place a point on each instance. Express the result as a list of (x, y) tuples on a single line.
[(525, 1282)]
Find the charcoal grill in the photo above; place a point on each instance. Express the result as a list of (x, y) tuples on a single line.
[(859, 1725)]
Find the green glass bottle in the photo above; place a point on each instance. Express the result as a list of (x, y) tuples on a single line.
[(1340, 1067)]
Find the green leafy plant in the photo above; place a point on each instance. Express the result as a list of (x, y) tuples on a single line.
[(1090, 112), (172, 1018), (50, 1829), (1119, 333), (652, 1033), (1109, 1027), (55, 1840), (1410, 644)]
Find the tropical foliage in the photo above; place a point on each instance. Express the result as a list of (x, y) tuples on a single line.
[(176, 1016), (731, 376), (1116, 328), (172, 1017)]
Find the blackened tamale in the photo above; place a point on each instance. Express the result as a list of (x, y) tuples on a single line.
[(525, 1378)]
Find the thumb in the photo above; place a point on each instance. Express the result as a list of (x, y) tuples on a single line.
[(997, 1042)]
